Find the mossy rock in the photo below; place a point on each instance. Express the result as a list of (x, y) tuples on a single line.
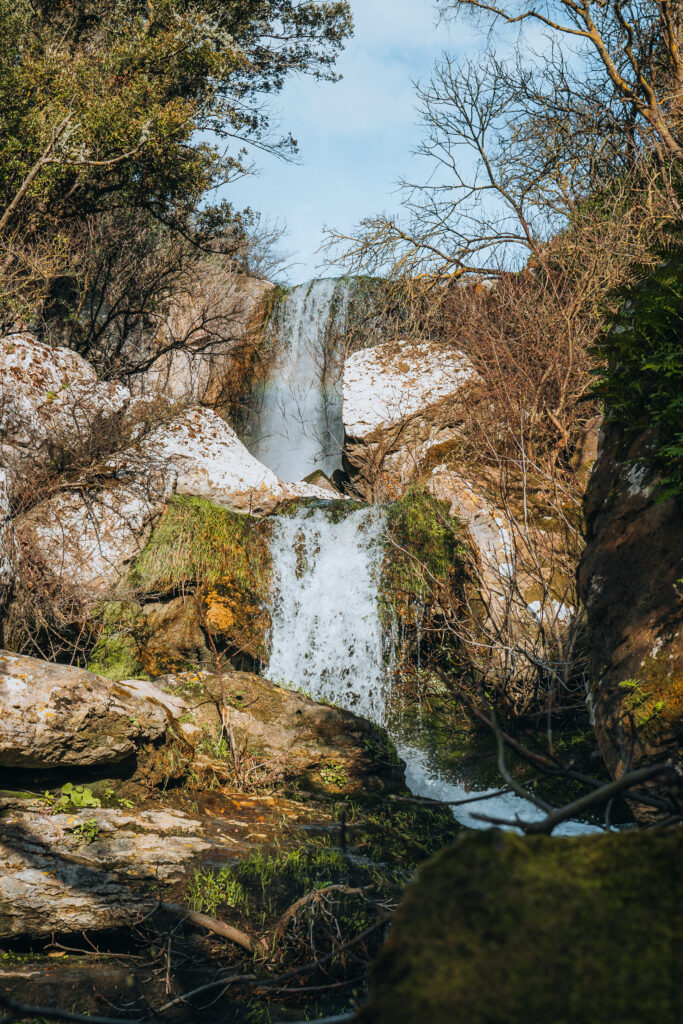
[(211, 568), (423, 573), (501, 929)]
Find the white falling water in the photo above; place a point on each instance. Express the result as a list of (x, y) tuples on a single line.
[(327, 637), (328, 640), (298, 427)]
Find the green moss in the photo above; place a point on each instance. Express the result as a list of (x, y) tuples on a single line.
[(116, 654), (202, 543), (502, 928), (423, 574)]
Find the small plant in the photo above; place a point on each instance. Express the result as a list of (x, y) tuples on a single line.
[(88, 831), (209, 890), (70, 795), (334, 774)]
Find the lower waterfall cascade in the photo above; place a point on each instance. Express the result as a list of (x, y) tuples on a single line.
[(327, 637), (328, 640)]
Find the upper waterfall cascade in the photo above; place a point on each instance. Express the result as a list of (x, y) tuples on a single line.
[(298, 426)]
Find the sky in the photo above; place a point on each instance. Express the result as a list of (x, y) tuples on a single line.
[(355, 136)]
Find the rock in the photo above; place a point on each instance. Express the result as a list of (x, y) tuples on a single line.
[(89, 537), (32, 375), (501, 929), (44, 391), (323, 748), (62, 716), (319, 479), (399, 403), (202, 373), (8, 548), (52, 880), (629, 581), (213, 463)]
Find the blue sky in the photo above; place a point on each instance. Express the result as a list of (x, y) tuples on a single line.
[(355, 136)]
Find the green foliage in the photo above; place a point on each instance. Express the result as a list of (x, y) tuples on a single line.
[(88, 831), (71, 796), (334, 774), (111, 107), (210, 890), (642, 386), (199, 542)]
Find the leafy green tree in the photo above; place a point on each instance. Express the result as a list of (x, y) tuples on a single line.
[(120, 105)]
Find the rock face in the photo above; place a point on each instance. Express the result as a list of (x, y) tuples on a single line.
[(52, 880), (60, 716), (200, 372), (501, 929), (324, 748), (629, 579), (8, 547), (90, 536), (399, 403)]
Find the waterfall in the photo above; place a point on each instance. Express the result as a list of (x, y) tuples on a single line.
[(328, 640), (327, 636), (297, 426)]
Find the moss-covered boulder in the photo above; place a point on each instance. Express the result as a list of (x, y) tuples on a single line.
[(500, 929), (423, 574), (203, 582)]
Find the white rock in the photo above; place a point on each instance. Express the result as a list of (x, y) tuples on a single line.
[(62, 716), (8, 546), (386, 384), (90, 538), (212, 463), (31, 377)]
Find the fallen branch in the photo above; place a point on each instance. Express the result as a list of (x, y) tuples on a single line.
[(311, 897), (546, 825), (212, 924)]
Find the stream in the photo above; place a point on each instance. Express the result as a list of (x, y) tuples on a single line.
[(328, 636)]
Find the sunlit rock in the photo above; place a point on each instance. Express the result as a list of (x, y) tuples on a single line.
[(59, 715), (400, 402)]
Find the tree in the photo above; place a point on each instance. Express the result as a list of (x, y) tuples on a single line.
[(128, 106)]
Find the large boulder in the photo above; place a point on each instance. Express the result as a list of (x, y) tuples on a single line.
[(62, 716), (44, 390), (212, 463), (323, 748), (89, 537), (630, 583), (400, 403), (501, 929), (94, 869)]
